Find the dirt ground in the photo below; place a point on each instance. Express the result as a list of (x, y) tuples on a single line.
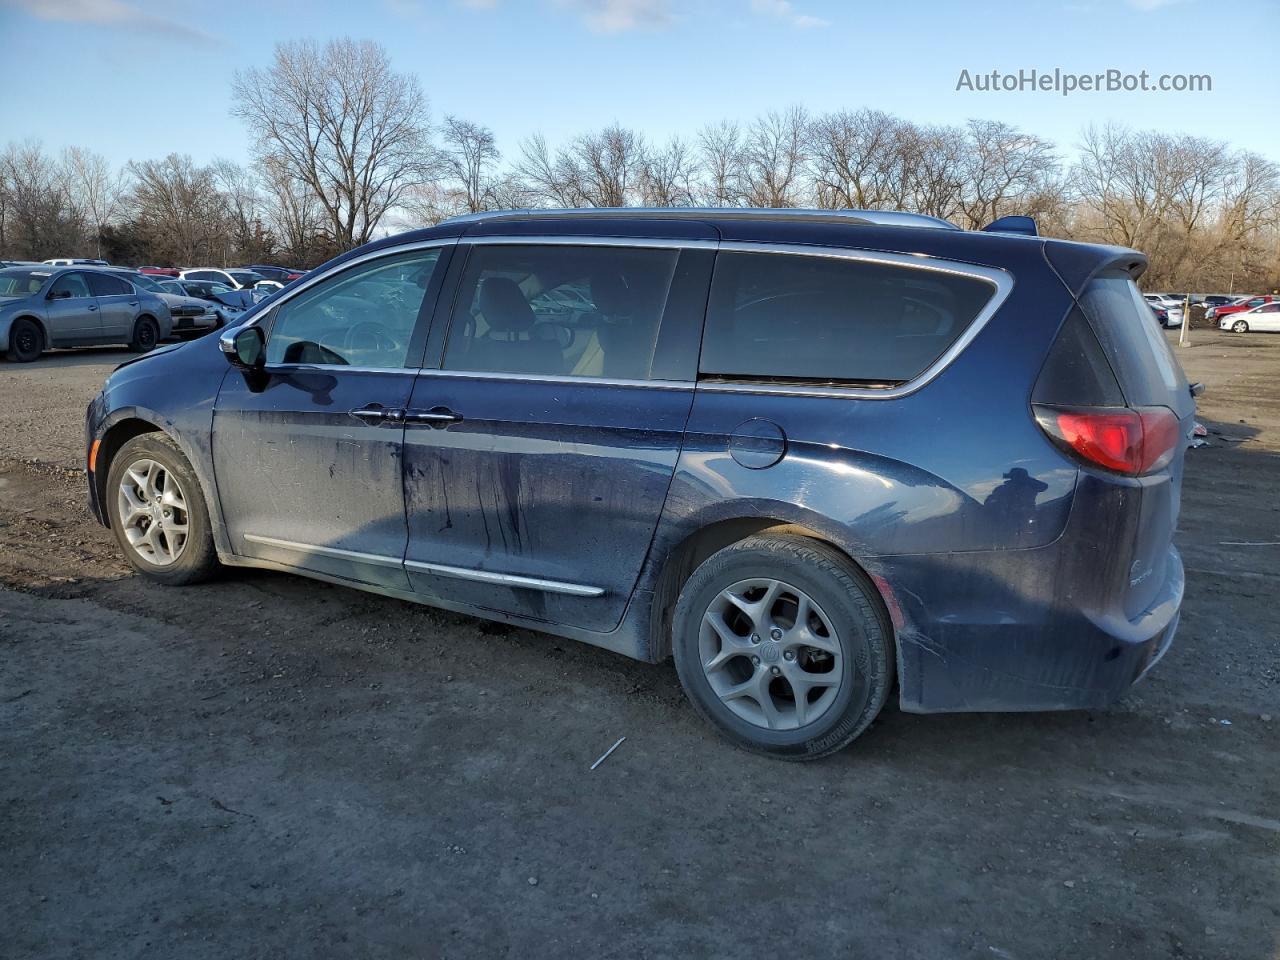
[(267, 766)]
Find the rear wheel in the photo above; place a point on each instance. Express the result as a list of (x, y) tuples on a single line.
[(1240, 326), (26, 340), (158, 513), (146, 334), (783, 645)]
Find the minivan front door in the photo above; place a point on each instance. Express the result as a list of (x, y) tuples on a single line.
[(537, 460), (308, 454)]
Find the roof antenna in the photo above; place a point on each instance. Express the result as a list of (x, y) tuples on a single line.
[(1023, 225)]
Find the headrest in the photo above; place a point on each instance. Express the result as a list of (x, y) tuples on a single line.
[(504, 307)]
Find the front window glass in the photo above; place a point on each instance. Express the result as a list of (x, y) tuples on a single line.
[(70, 284), (363, 317)]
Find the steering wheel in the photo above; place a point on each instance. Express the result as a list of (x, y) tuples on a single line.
[(369, 336)]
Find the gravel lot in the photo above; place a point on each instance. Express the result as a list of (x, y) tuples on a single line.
[(267, 766)]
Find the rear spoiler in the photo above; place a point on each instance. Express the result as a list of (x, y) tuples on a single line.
[(1078, 263)]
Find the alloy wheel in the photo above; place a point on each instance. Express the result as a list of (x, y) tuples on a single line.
[(770, 654), (153, 512)]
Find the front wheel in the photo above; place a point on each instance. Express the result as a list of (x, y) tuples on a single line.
[(783, 645), (1240, 327), (158, 513), (25, 341), (146, 334)]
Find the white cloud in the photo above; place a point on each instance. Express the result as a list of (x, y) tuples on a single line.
[(785, 10), (111, 13), (619, 16)]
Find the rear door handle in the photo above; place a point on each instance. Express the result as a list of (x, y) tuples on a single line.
[(92, 307), (435, 417)]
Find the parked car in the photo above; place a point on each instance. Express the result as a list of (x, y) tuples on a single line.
[(266, 288), (806, 454), (159, 271), (1217, 300), (190, 314), (1239, 306), (43, 307), (75, 262), (235, 279), (1264, 317), (281, 275), (228, 304), (1167, 315), (1166, 300)]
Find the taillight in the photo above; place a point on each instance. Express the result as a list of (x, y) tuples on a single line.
[(1129, 441)]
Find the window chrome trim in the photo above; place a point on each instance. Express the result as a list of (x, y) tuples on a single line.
[(504, 579), (294, 546), (556, 378), (1001, 280), (569, 240), (439, 569)]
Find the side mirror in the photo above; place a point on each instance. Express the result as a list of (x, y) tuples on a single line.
[(244, 348), (59, 295)]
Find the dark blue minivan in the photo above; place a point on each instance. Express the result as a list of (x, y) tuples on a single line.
[(806, 454)]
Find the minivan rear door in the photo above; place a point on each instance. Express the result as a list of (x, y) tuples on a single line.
[(540, 445)]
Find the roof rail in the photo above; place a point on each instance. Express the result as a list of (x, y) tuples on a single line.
[(895, 218)]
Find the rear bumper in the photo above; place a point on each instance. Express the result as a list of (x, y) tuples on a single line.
[(1060, 659)]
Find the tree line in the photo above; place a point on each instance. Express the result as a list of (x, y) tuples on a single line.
[(344, 149)]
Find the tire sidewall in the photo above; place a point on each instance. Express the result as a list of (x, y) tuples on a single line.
[(857, 633), (21, 356), (138, 343), (195, 558)]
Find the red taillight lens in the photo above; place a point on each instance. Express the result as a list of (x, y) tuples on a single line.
[(1125, 440)]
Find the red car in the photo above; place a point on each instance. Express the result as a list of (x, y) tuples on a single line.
[(159, 271), (1220, 312)]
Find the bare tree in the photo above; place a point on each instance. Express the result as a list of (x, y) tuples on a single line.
[(93, 188), (773, 159), (178, 210), (857, 159), (295, 215), (933, 181), (720, 149), (341, 121), (602, 169), (40, 219), (468, 158), (1002, 169), (668, 176)]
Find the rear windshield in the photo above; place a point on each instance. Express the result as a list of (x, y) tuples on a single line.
[(789, 317), (1139, 354)]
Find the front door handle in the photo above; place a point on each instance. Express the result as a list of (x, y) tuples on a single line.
[(435, 417), (373, 414)]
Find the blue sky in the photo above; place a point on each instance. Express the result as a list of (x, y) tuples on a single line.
[(141, 78)]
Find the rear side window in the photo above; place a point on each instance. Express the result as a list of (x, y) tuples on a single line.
[(1135, 348), (104, 286), (830, 319)]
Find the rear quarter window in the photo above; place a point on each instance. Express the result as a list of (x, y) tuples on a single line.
[(792, 317), (1134, 345)]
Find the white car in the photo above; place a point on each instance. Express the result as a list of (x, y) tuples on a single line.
[(1171, 306), (235, 279), (76, 262), (1265, 318), (265, 288)]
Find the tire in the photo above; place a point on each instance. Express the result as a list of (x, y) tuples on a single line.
[(161, 556), (1240, 326), (146, 334), (851, 674), (26, 341)]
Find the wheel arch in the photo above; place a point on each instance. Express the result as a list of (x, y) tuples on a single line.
[(40, 325), (108, 445), (700, 544)]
